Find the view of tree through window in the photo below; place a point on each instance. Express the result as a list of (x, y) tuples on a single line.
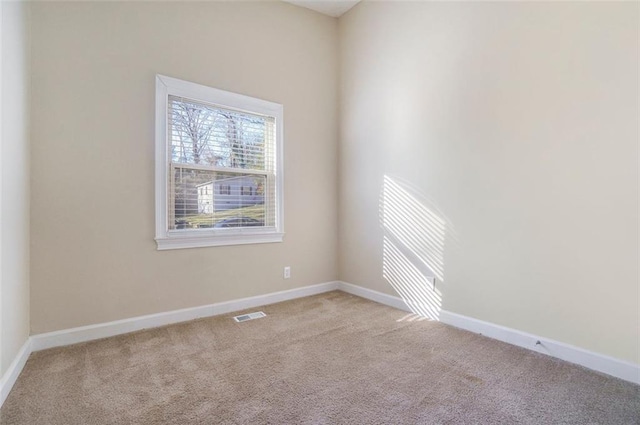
[(221, 167)]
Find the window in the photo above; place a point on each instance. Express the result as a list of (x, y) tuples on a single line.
[(207, 137)]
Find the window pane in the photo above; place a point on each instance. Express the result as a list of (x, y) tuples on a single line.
[(205, 134), (205, 199)]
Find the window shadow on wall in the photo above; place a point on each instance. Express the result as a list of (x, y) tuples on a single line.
[(413, 247)]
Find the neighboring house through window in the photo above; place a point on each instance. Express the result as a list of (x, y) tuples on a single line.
[(218, 167)]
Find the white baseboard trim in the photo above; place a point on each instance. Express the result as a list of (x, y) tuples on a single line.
[(119, 327), (11, 375), (370, 294), (589, 359), (609, 365), (601, 363)]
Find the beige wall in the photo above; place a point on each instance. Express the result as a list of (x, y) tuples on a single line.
[(493, 145), (94, 64), (14, 176), (500, 143)]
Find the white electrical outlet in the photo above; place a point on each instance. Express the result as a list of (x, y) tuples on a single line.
[(287, 272)]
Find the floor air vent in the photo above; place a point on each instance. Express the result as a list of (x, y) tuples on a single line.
[(250, 316)]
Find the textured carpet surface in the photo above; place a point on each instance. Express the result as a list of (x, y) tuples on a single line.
[(327, 359)]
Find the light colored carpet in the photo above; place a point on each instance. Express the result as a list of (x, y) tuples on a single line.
[(327, 359)]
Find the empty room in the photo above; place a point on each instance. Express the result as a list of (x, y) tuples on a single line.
[(319, 212)]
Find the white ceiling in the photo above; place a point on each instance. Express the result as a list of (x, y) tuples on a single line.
[(335, 8)]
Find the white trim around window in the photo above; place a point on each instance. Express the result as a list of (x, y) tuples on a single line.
[(268, 231)]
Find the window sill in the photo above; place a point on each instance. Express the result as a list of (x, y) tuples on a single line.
[(181, 240)]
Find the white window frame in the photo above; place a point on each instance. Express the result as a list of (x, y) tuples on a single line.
[(197, 238)]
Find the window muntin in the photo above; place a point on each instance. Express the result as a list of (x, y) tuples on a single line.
[(221, 166)]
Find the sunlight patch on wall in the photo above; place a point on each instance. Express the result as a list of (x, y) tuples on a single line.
[(411, 283), (413, 249), (414, 226)]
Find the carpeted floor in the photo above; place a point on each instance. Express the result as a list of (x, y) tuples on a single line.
[(328, 359)]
